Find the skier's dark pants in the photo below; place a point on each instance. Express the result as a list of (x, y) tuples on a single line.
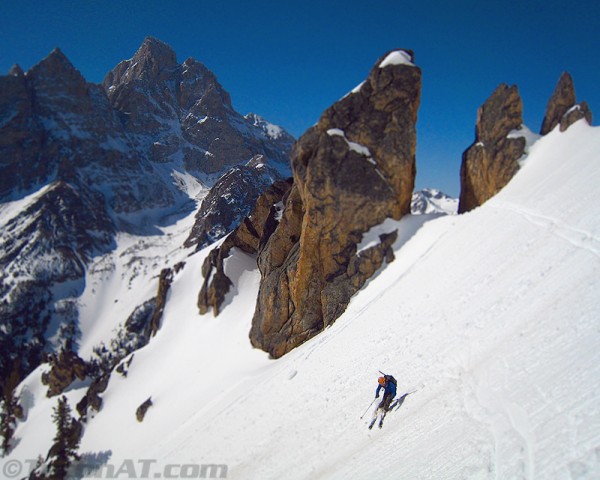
[(385, 402)]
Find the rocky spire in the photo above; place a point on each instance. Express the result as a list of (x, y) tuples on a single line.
[(492, 160), (352, 170), (562, 108)]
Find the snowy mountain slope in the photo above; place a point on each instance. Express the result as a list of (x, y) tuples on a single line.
[(492, 316), (82, 163), (430, 200)]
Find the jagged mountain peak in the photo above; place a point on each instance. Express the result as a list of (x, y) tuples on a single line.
[(155, 51), (153, 62), (57, 68)]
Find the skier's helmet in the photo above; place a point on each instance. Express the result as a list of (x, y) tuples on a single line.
[(381, 380)]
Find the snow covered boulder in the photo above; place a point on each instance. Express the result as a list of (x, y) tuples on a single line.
[(352, 170)]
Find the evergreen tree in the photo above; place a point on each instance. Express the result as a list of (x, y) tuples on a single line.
[(10, 409), (66, 440), (7, 423)]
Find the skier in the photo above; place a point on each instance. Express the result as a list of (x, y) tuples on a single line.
[(388, 384)]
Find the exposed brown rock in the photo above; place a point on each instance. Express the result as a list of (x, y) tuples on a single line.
[(562, 99), (492, 160), (352, 170), (575, 113), (92, 396), (140, 413), (164, 284), (562, 108), (66, 367), (216, 283)]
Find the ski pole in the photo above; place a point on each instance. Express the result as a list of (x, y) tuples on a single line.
[(368, 408)]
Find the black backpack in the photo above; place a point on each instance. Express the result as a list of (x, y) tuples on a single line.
[(391, 379)]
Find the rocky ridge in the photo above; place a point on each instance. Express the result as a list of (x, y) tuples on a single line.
[(501, 139), (181, 112)]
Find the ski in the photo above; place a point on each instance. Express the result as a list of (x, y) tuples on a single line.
[(396, 404)]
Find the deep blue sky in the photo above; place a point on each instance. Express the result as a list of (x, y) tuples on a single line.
[(288, 60)]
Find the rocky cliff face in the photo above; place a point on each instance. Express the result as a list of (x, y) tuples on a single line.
[(80, 162), (230, 201), (181, 111), (562, 108), (352, 170), (249, 238), (492, 160)]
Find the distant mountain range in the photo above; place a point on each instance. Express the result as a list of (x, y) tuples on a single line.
[(81, 162), (430, 200)]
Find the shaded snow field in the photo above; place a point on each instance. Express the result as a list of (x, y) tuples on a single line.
[(493, 316)]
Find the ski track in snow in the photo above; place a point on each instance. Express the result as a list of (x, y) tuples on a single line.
[(577, 237)]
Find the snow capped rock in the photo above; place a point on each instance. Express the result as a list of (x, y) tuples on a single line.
[(352, 170), (398, 57)]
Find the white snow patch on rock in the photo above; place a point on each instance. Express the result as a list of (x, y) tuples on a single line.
[(399, 57)]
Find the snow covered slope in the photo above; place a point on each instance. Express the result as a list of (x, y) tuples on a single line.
[(492, 316)]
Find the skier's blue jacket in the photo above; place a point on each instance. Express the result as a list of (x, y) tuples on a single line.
[(389, 388)]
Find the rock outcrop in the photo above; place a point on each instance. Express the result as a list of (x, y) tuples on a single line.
[(352, 170), (562, 108), (141, 411), (229, 201), (66, 367), (249, 237), (92, 398), (492, 160)]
